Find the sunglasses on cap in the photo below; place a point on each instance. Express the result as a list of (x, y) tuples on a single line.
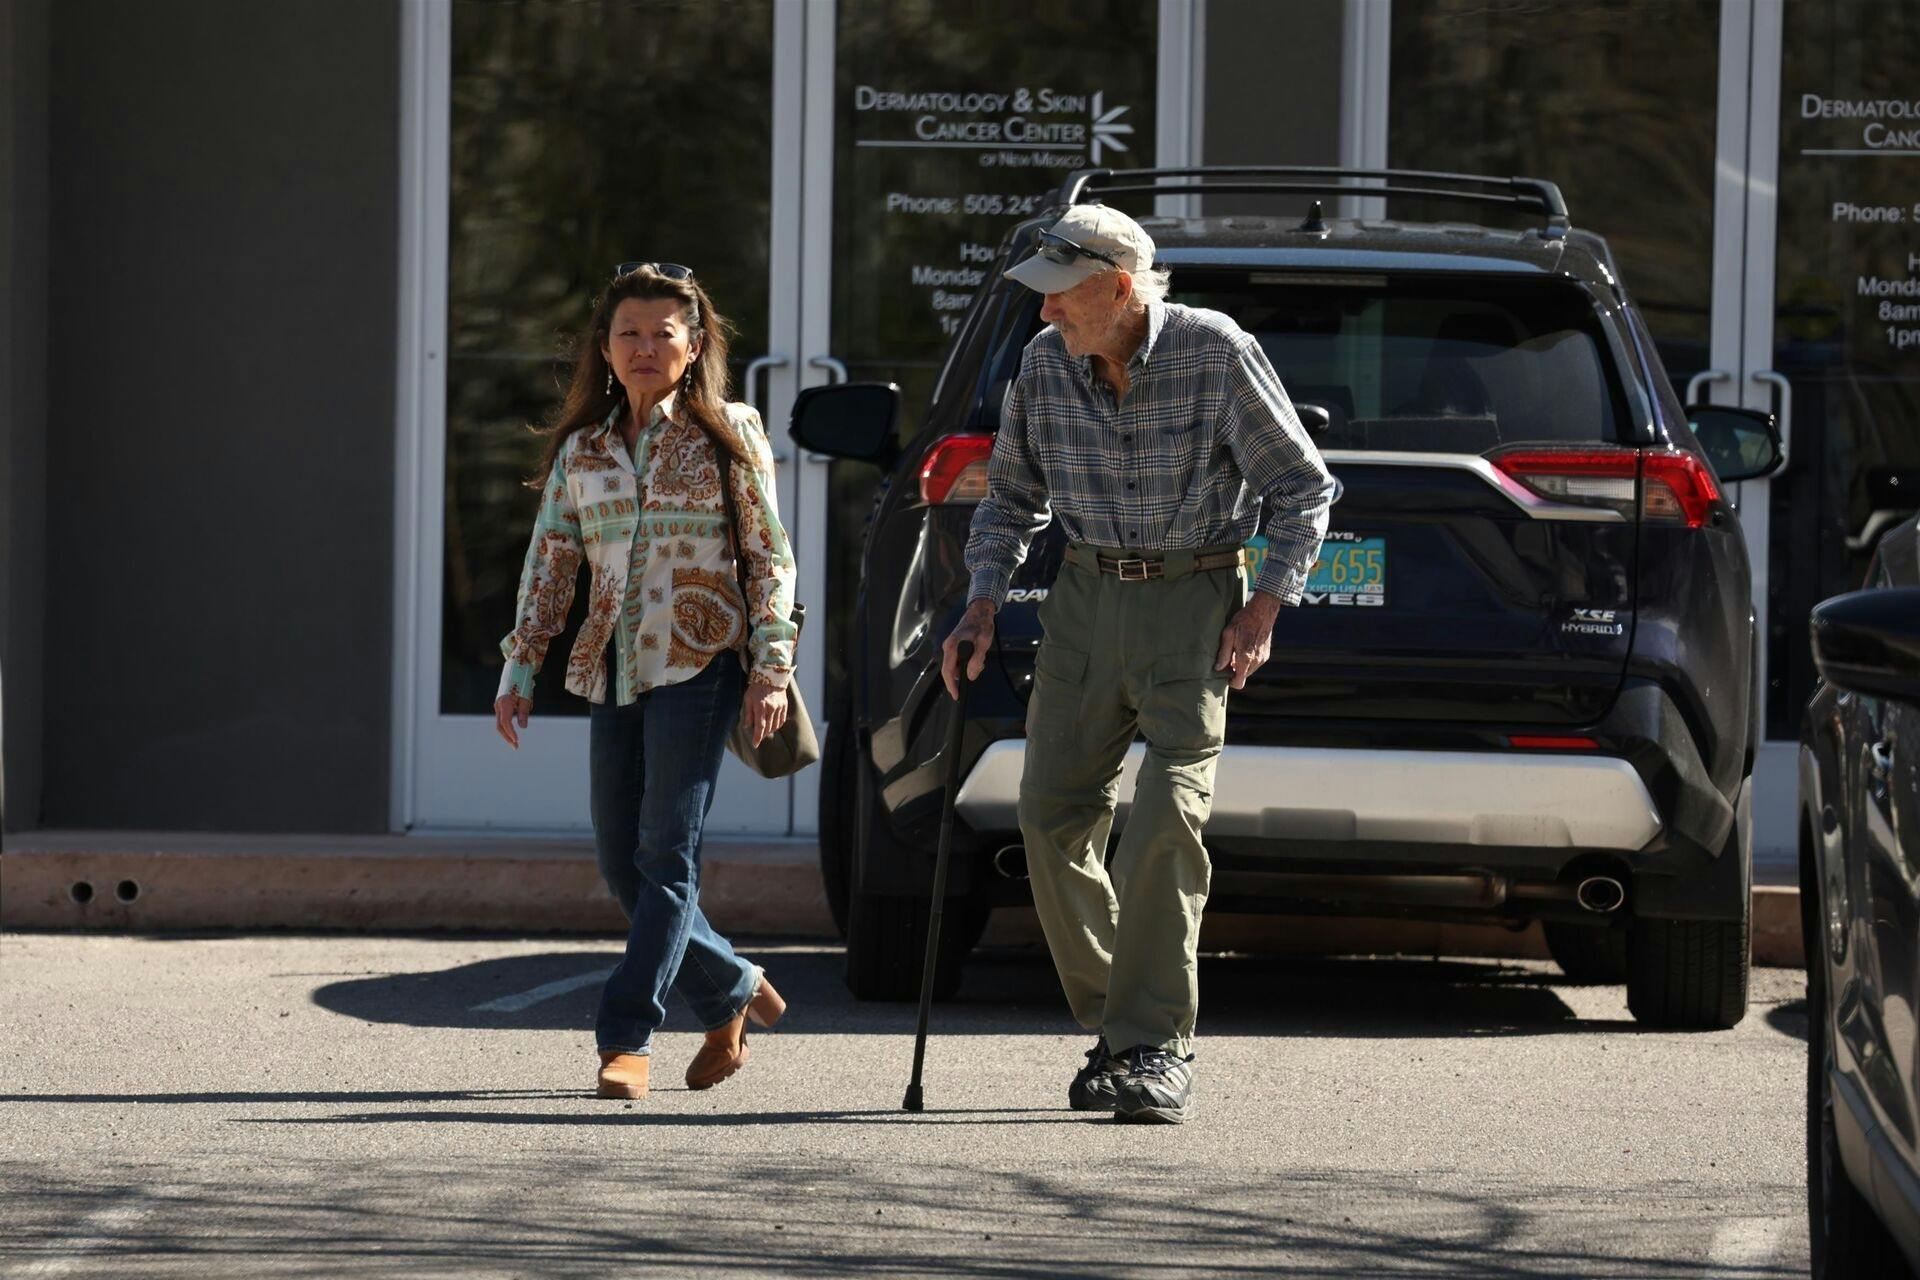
[(671, 270), (1058, 249)]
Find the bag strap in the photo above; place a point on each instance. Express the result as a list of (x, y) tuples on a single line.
[(724, 457)]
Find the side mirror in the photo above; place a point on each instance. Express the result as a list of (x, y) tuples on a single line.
[(1314, 418), (1869, 642), (853, 420), (1741, 444)]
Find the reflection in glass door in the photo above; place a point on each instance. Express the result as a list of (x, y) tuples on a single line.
[(574, 136), (949, 125), (1614, 100), (1842, 342)]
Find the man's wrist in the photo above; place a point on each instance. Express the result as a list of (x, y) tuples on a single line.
[(1266, 604)]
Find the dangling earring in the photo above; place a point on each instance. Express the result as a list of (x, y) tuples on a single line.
[(609, 381)]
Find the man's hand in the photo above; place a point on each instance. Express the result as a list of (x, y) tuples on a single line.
[(1248, 638), (975, 628)]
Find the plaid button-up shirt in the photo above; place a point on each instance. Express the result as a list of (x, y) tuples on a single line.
[(1204, 451)]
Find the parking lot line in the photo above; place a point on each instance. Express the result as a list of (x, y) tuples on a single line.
[(1748, 1242), (545, 991)]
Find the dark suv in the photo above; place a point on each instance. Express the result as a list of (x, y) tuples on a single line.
[(1520, 685)]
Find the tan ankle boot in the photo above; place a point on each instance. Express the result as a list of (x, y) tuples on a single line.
[(623, 1075), (766, 1006), (725, 1051)]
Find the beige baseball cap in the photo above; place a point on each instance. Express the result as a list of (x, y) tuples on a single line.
[(1094, 229)]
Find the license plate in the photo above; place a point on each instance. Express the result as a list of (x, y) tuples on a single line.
[(1350, 573)]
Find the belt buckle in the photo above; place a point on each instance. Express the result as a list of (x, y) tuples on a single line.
[(1132, 570)]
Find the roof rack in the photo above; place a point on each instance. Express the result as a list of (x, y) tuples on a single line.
[(1519, 193)]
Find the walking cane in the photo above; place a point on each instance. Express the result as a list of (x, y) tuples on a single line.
[(913, 1101)]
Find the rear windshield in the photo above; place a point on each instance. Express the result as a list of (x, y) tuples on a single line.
[(1434, 365)]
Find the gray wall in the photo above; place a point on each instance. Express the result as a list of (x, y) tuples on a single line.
[(220, 443), (23, 401), (1272, 91)]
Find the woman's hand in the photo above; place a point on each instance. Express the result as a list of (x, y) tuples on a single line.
[(765, 711), (508, 708)]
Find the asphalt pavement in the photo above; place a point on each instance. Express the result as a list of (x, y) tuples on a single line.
[(364, 1106)]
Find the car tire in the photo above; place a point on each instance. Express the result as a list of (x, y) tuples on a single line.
[(1587, 954), (839, 801), (886, 933), (1845, 1236), (887, 945), (1692, 975)]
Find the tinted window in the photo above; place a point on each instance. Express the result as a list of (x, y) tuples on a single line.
[(1449, 366)]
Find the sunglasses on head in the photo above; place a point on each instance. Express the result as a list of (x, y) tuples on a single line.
[(1058, 249), (671, 270)]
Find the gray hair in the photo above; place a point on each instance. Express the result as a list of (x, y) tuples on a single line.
[(1151, 285)]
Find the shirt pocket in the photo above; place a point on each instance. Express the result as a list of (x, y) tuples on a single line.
[(1173, 456)]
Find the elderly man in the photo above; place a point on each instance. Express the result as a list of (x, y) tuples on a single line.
[(1160, 438)]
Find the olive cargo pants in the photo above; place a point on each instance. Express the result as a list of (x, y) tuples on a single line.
[(1122, 657)]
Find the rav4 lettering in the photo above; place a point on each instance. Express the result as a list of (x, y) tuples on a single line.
[(1342, 598)]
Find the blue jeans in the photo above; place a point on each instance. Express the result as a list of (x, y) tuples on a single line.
[(653, 765)]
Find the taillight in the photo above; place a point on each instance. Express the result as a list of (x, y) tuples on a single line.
[(1678, 487), (956, 470), (1672, 485)]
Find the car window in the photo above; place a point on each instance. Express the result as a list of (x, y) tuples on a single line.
[(1448, 365)]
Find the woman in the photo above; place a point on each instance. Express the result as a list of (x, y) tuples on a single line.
[(631, 481)]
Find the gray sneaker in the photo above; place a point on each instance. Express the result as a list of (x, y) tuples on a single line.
[(1157, 1089), (1093, 1088)]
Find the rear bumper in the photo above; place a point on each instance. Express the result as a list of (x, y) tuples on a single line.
[(1297, 796), (1476, 798)]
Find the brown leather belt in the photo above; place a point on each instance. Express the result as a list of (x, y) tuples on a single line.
[(1147, 568)]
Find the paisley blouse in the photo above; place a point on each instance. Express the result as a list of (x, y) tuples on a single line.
[(653, 529)]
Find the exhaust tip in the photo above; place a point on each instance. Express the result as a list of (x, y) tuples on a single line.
[(1600, 894), (1011, 862)]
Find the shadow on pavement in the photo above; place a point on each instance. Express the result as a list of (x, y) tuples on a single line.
[(1790, 1018), (720, 1120), (1005, 992), (670, 1213), (303, 1095)]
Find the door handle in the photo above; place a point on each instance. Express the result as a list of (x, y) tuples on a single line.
[(756, 367), (1785, 417), (1704, 378)]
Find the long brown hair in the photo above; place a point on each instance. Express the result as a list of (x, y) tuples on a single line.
[(702, 395)]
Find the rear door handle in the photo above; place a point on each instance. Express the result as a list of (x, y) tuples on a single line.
[(755, 367), (1785, 417)]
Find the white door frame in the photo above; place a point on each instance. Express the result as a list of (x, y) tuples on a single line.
[(1746, 200), (451, 773), (1366, 45)]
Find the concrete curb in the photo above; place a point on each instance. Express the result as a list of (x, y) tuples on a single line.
[(122, 882)]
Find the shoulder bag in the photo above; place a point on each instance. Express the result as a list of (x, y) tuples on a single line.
[(794, 745)]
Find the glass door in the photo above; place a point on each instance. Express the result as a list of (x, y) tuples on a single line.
[(1816, 320), (946, 125), (1836, 349), (571, 136)]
